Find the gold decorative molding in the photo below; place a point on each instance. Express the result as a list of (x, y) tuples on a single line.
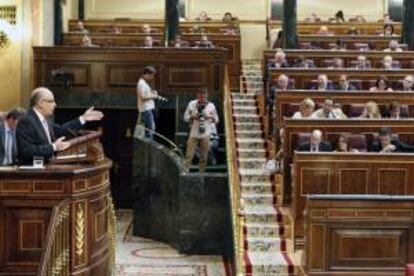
[(80, 232)]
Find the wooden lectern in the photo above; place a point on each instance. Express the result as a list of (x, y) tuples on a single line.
[(59, 220)]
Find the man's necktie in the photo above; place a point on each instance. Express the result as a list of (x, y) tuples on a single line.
[(8, 159), (46, 129)]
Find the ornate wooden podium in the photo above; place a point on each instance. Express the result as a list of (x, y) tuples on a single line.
[(59, 220)]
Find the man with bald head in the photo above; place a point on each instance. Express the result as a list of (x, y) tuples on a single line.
[(315, 143), (38, 136)]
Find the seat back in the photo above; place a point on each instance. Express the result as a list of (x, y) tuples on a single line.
[(355, 110), (358, 141)]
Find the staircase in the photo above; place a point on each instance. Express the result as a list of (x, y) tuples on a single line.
[(267, 226), (252, 76)]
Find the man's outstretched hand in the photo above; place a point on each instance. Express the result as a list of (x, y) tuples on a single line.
[(92, 115)]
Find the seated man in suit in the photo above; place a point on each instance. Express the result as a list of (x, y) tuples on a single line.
[(315, 143), (388, 144), (408, 83), (38, 136), (205, 42), (344, 85), (328, 111), (279, 60), (323, 83), (8, 149)]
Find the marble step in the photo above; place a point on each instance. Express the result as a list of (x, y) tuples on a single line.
[(248, 153), (269, 264), (260, 187), (252, 163), (249, 134), (253, 175), (268, 244), (257, 67), (243, 102), (264, 214), (252, 73), (241, 126), (268, 230), (261, 199), (243, 96), (255, 91), (242, 118), (255, 143), (253, 78)]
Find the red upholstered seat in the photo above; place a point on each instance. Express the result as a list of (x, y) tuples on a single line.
[(358, 141), (302, 138), (409, 270), (355, 110)]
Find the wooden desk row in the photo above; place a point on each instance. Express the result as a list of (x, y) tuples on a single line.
[(134, 26), (117, 70), (325, 41), (348, 173), (229, 42), (303, 77), (319, 57), (288, 102), (366, 28), (331, 130), (359, 234)]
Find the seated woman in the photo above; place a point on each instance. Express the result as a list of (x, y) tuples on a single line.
[(344, 144), (381, 85), (388, 30), (306, 109), (394, 111), (228, 18), (371, 111)]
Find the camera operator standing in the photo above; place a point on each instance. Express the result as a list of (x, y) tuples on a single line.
[(202, 117), (146, 96)]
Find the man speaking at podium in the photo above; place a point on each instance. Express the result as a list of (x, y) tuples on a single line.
[(38, 136)]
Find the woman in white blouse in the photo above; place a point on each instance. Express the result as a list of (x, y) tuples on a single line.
[(306, 108)]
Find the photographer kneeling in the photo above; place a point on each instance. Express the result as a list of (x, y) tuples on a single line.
[(202, 118)]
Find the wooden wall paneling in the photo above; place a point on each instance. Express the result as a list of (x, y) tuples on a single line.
[(358, 236), (349, 173)]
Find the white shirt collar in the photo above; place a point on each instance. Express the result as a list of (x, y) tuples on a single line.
[(39, 115)]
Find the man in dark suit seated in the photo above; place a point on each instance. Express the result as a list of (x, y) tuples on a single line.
[(315, 143), (323, 83), (38, 136), (388, 144), (344, 85), (8, 148)]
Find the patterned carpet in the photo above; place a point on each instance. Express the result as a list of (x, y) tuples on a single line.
[(144, 257)]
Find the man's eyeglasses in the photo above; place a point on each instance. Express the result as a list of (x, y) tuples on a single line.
[(49, 101)]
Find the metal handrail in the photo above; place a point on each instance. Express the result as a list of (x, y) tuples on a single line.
[(171, 143)]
